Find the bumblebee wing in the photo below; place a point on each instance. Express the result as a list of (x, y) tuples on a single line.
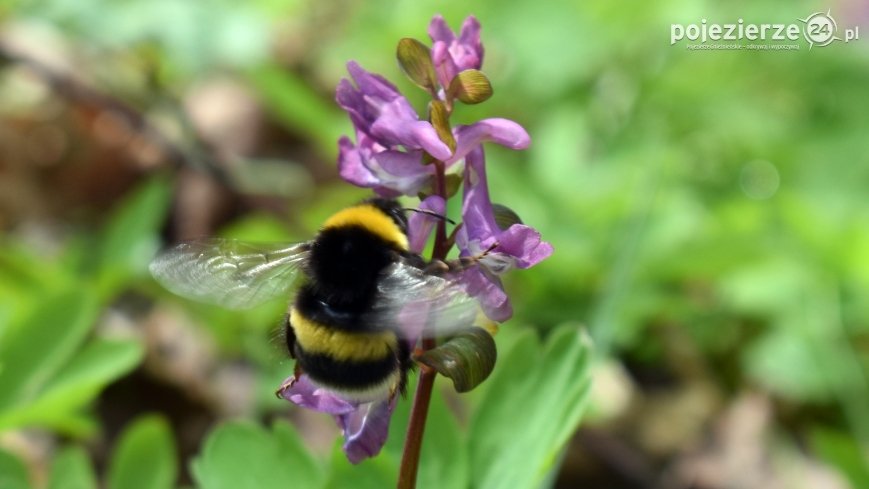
[(229, 273), (415, 303)]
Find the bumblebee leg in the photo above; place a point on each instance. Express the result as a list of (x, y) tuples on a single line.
[(437, 267), (297, 372), (440, 267)]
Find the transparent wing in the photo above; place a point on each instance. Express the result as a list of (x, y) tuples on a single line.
[(230, 273), (415, 303)]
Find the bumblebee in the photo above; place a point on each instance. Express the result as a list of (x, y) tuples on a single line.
[(363, 295)]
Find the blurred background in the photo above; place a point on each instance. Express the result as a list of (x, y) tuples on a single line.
[(706, 207)]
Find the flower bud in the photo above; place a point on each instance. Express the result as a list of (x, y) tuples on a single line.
[(470, 86), (467, 358)]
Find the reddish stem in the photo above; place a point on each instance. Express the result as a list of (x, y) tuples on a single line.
[(416, 429), (441, 246), (422, 397)]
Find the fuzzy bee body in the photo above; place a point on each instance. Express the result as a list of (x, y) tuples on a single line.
[(362, 290), (329, 330)]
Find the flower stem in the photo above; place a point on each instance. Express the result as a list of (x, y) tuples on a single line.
[(416, 429), (441, 244), (422, 397)]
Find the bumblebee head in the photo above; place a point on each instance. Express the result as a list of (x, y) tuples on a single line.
[(353, 247)]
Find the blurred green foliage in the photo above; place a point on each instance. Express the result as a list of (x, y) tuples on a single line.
[(543, 386), (52, 364), (713, 199)]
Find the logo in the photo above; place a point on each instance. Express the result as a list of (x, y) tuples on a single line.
[(818, 29)]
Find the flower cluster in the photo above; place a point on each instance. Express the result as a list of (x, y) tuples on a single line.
[(398, 153)]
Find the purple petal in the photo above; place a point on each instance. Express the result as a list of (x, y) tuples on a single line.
[(386, 192), (351, 166), (365, 103), (365, 426), (501, 131), (451, 55), (438, 30), (352, 101), (477, 215), (402, 172), (420, 225), (470, 33), (489, 292), (366, 429), (467, 53), (429, 140), (304, 393), (392, 118), (401, 164), (358, 165), (371, 84), (396, 129), (523, 243), (445, 67)]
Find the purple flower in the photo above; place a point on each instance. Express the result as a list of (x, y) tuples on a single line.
[(378, 109), (452, 55), (365, 425), (391, 172), (519, 246)]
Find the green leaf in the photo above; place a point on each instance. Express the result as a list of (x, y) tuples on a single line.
[(96, 365), (467, 358), (374, 473), (32, 354), (505, 216), (414, 59), (13, 474), (25, 278), (531, 407), (241, 454), (843, 452), (471, 87), (71, 469), (145, 457), (785, 360), (131, 238)]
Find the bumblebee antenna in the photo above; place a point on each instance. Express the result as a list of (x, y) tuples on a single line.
[(432, 213)]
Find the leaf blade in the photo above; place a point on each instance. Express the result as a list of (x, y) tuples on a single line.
[(241, 454), (145, 457), (31, 354)]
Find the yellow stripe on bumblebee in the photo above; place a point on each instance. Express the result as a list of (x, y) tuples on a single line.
[(373, 220), (342, 345)]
